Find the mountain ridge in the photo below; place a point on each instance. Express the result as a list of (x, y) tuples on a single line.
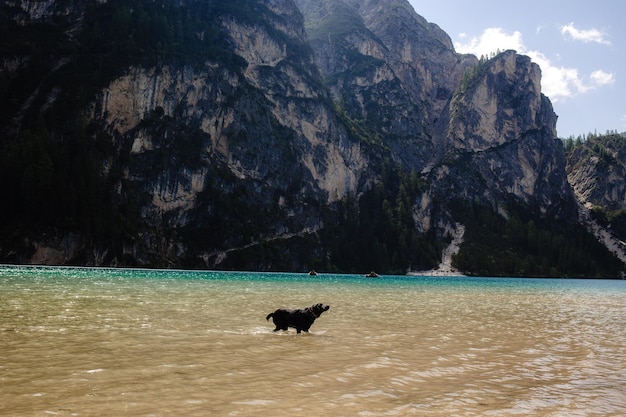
[(274, 135)]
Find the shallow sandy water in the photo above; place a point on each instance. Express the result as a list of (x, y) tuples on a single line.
[(92, 342)]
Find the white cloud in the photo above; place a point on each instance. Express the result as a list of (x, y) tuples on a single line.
[(490, 41), (585, 35), (600, 78), (557, 82)]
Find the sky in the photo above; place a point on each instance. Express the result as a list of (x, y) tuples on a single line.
[(580, 46)]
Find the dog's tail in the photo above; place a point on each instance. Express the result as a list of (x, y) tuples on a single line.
[(268, 316)]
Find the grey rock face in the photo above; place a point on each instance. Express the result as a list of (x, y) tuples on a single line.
[(295, 115)]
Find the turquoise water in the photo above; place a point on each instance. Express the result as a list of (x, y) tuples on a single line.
[(81, 341)]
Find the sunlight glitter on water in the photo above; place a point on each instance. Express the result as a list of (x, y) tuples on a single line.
[(124, 342)]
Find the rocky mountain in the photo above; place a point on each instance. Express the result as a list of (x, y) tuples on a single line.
[(274, 135), (596, 167)]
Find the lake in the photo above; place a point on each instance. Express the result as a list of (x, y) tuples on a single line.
[(85, 342)]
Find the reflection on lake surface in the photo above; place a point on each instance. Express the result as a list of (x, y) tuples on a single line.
[(83, 342)]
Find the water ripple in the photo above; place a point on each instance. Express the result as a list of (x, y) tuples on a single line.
[(131, 343)]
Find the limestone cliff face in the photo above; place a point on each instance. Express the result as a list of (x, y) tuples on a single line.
[(477, 130), (216, 144), (390, 69), (280, 113), (266, 126), (499, 105), (275, 91), (502, 120), (597, 168)]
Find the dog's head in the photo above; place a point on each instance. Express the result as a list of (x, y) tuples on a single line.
[(318, 309)]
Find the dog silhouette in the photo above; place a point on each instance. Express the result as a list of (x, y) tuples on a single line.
[(300, 319)]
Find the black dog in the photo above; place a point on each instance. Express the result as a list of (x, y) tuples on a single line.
[(300, 319)]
